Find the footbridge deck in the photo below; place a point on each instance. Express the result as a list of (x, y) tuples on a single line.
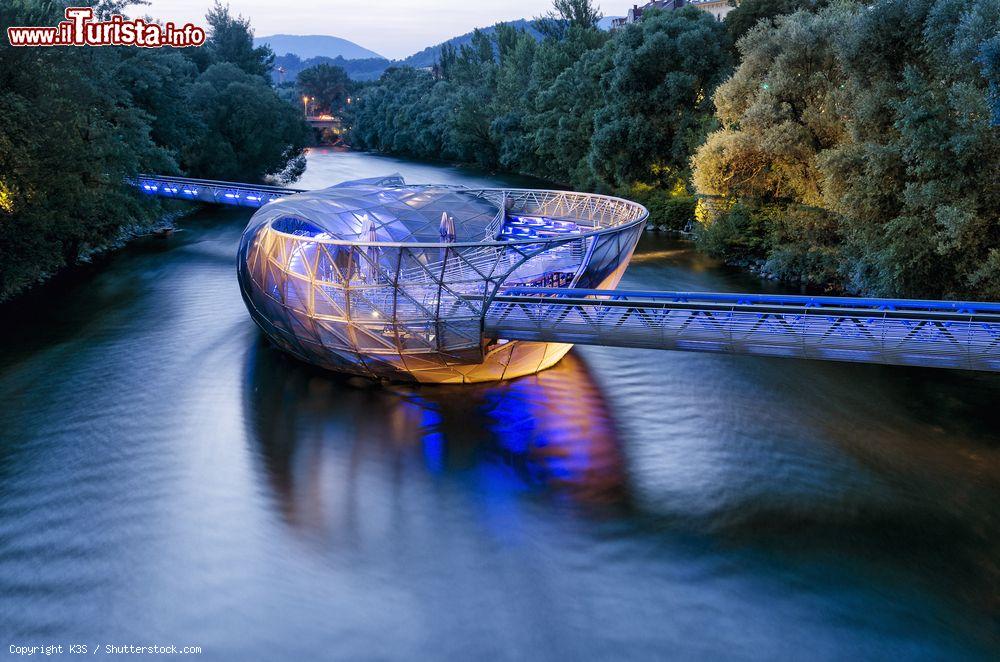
[(940, 334), (211, 191)]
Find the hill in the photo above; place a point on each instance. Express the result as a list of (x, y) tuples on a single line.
[(309, 46), (370, 67), (429, 55)]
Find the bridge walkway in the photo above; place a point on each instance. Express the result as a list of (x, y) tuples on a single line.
[(941, 334)]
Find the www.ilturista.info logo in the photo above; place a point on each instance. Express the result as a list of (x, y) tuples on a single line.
[(80, 29)]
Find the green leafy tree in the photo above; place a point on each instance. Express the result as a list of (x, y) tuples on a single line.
[(564, 123), (250, 132), (159, 82), (568, 14), (327, 84), (658, 97), (511, 128), (916, 180), (880, 118), (990, 59), (69, 137), (778, 111), (230, 39), (750, 12), (78, 123)]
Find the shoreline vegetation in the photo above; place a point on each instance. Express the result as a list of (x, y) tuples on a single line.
[(833, 145), (77, 123)]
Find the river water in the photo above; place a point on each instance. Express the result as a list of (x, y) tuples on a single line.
[(167, 477)]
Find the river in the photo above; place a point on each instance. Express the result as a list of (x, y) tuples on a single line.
[(167, 477)]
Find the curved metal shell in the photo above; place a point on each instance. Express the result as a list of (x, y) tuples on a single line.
[(391, 281)]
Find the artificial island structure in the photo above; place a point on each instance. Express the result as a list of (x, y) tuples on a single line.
[(446, 284)]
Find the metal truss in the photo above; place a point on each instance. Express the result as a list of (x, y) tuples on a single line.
[(213, 192), (900, 332), (436, 311)]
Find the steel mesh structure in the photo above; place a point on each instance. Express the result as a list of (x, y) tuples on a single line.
[(941, 334), (392, 281), (447, 284)]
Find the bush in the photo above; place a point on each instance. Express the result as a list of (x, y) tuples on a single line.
[(669, 211), (789, 242), (740, 236)]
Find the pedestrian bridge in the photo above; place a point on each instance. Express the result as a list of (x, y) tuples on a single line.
[(943, 334)]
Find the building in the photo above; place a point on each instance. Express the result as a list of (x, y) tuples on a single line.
[(717, 8), (388, 280)]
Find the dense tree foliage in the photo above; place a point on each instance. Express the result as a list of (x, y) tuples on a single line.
[(230, 39), (879, 117), (658, 105), (990, 59), (750, 12), (76, 122), (327, 85), (581, 107)]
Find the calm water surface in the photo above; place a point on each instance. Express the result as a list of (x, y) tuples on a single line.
[(167, 477)]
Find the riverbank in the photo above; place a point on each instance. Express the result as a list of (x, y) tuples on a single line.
[(265, 503), (128, 232)]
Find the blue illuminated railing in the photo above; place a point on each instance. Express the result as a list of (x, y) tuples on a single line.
[(893, 331), (952, 334), (210, 191)]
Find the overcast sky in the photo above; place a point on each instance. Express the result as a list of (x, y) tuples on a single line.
[(393, 28)]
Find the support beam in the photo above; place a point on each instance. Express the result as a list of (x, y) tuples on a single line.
[(210, 191), (942, 334)]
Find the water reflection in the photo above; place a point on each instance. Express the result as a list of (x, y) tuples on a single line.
[(550, 433)]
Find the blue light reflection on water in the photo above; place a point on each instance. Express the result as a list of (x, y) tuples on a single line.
[(165, 474)]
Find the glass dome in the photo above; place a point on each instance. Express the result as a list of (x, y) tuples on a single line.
[(391, 281)]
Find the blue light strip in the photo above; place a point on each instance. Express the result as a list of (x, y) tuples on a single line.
[(960, 307), (217, 192)]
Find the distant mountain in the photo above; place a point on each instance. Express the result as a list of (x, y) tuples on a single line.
[(308, 46), (295, 53), (430, 55), (287, 67)]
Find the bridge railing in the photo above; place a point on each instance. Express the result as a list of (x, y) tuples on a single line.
[(892, 331), (211, 191)]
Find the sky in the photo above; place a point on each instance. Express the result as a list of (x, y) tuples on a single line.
[(393, 28)]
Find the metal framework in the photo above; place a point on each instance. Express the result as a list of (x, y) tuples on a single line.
[(212, 192), (448, 284), (941, 334), (388, 280)]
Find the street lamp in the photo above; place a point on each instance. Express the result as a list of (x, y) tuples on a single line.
[(305, 106)]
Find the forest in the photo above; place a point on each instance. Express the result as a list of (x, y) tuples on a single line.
[(75, 123), (837, 146)]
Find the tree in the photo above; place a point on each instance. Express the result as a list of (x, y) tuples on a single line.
[(566, 14), (230, 39), (564, 123), (78, 124), (750, 12), (658, 97), (159, 82), (250, 133), (778, 111), (327, 84), (989, 57), (916, 181), (880, 117), (69, 138)]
